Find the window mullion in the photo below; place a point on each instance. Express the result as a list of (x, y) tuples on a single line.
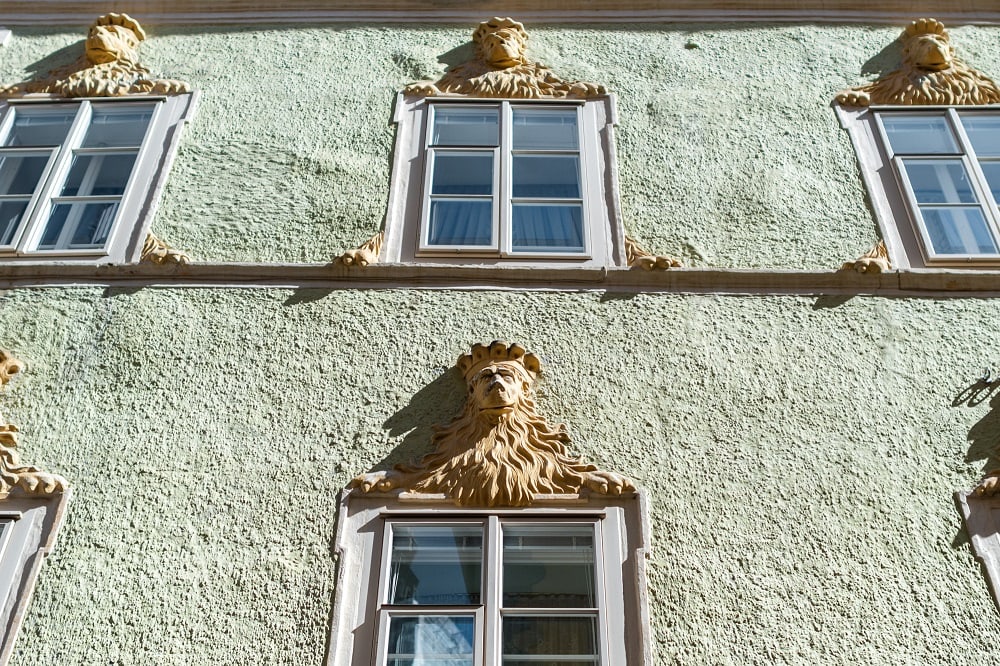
[(587, 161), (505, 178), (602, 550), (57, 175), (492, 592)]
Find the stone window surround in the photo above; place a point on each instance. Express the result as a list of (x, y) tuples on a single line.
[(598, 161), (360, 542), (140, 201), (24, 544), (897, 221)]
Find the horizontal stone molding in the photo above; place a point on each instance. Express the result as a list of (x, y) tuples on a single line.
[(914, 282), (186, 12)]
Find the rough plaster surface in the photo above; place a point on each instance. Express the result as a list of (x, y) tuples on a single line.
[(800, 455), (729, 152)]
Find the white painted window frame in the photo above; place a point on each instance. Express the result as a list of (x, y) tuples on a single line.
[(142, 193), (409, 189), (360, 619), (981, 516), (892, 197), (31, 526)]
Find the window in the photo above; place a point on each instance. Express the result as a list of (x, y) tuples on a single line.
[(466, 593), (79, 180), (433, 585), (934, 176), (28, 527), (504, 181)]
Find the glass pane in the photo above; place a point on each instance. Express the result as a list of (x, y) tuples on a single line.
[(19, 174), (984, 133), (548, 227), (548, 566), (919, 134), (958, 231), (573, 638), (117, 128), (431, 640), (992, 172), (939, 181), (457, 126), (434, 564), (98, 175), (461, 222), (40, 127), (462, 173), (545, 129), (78, 226), (10, 217), (547, 176)]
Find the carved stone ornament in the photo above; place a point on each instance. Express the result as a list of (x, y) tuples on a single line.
[(367, 252), (929, 74), (109, 66), (500, 68), (989, 485), (875, 260), (155, 251), (636, 257), (14, 475), (499, 451)]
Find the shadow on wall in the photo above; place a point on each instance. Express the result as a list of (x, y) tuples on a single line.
[(433, 405), (884, 61), (63, 56), (984, 436)]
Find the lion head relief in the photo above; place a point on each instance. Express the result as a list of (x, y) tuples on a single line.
[(499, 451), (108, 67), (501, 68), (928, 74)]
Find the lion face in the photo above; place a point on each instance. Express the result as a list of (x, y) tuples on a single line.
[(497, 389), (930, 52), (502, 48), (111, 43)]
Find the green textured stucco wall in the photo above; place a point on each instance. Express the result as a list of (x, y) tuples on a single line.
[(800, 456), (800, 453), (729, 152)]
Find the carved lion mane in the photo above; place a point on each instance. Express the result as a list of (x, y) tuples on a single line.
[(929, 74), (500, 69), (109, 66), (499, 451)]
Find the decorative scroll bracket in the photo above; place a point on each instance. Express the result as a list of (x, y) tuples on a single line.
[(155, 251), (875, 260), (14, 475)]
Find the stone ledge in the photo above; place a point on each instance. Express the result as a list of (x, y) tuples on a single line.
[(188, 12), (922, 282)]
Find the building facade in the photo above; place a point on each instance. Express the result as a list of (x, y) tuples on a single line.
[(785, 392)]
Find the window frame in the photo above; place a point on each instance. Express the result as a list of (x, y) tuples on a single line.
[(360, 618), (405, 226), (892, 197), (32, 536), (140, 197)]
